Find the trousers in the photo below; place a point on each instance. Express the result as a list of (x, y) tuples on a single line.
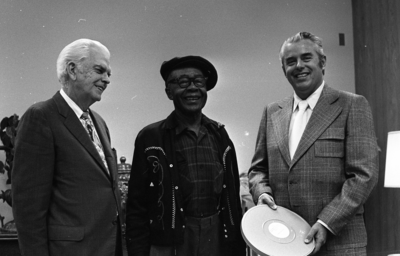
[(201, 238)]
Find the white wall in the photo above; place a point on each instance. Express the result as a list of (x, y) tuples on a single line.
[(241, 38)]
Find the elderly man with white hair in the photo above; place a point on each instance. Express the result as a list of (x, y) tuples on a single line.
[(65, 195)]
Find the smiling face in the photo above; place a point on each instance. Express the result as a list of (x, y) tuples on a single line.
[(90, 78), (302, 67), (188, 101)]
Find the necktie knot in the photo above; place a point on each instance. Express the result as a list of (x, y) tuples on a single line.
[(303, 105), (85, 115)]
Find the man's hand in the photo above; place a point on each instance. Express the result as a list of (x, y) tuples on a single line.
[(319, 233), (268, 200)]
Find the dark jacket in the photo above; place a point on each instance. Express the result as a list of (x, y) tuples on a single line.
[(155, 215), (64, 202)]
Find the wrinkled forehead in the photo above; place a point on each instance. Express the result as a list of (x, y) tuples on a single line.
[(98, 57)]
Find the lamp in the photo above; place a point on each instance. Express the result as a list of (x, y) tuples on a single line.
[(392, 170)]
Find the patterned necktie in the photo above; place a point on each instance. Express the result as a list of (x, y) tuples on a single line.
[(89, 127), (299, 125)]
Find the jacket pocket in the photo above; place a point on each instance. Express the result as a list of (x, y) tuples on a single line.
[(330, 143), (65, 233)]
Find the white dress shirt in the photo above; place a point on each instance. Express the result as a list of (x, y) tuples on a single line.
[(312, 101)]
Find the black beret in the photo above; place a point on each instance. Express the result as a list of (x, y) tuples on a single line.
[(191, 61)]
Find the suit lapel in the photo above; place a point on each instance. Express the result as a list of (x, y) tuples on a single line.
[(73, 124), (324, 113), (281, 121), (105, 142)]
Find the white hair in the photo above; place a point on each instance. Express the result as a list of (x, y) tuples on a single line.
[(75, 52)]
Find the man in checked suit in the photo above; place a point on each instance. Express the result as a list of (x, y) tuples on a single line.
[(65, 195), (328, 175)]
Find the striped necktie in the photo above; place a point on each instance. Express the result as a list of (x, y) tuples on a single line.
[(89, 127)]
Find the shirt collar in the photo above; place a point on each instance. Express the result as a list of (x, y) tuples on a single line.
[(179, 128), (311, 100), (77, 110)]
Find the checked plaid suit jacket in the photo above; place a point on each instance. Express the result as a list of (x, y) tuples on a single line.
[(333, 170)]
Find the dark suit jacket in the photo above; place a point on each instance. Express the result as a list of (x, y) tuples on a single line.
[(64, 202), (333, 170)]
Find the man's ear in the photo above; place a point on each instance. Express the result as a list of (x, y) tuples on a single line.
[(169, 94), (72, 70), (323, 64)]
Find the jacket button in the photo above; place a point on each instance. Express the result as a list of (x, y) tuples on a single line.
[(224, 186), (171, 165), (181, 209), (176, 187)]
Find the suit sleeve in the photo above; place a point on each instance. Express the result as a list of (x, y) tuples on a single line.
[(361, 167), (137, 216), (32, 178), (258, 172)]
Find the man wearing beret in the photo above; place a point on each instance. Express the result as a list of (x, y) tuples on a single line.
[(183, 194)]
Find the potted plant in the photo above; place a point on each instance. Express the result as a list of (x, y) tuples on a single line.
[(7, 135)]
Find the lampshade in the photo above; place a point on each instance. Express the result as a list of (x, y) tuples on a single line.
[(392, 170)]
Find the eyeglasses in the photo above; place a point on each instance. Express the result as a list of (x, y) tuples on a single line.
[(185, 81)]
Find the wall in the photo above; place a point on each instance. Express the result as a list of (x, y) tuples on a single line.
[(241, 38), (377, 65)]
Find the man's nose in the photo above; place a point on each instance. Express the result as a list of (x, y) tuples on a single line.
[(300, 64), (106, 78), (192, 86)]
